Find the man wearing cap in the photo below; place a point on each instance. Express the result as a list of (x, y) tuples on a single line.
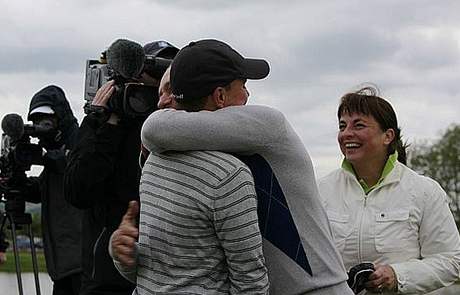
[(103, 176), (298, 245), (198, 230), (61, 222)]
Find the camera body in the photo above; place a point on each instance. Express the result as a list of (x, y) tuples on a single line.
[(131, 98), (18, 153)]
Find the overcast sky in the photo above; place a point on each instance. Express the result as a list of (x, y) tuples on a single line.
[(317, 50)]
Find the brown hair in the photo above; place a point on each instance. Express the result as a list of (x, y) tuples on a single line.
[(196, 105), (367, 102), (191, 105)]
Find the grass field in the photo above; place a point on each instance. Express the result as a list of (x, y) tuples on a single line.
[(26, 262)]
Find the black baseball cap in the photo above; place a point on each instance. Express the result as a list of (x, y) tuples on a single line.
[(203, 65)]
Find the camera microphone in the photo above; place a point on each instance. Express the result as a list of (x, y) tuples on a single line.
[(126, 58), (13, 126)]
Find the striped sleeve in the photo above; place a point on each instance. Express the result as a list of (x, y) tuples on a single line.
[(237, 228)]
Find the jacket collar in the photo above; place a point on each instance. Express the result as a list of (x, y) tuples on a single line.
[(385, 178)]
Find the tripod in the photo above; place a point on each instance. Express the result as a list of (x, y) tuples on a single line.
[(16, 219)]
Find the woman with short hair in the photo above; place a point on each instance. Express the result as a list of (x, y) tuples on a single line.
[(383, 212)]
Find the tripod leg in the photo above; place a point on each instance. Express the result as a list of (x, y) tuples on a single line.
[(34, 259), (16, 255)]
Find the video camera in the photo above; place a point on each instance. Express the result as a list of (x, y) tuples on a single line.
[(18, 154), (124, 62)]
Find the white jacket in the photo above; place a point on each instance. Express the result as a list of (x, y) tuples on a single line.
[(404, 222)]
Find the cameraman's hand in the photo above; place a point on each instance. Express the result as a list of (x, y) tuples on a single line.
[(3, 180), (382, 279), (124, 238), (102, 97), (103, 94)]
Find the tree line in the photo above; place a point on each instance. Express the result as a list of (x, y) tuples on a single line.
[(440, 160)]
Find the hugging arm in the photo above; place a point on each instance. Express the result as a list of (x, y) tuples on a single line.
[(238, 129)]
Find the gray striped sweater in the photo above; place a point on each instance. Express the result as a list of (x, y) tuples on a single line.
[(198, 231)]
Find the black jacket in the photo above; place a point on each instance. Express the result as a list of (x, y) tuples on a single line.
[(102, 177), (61, 222)]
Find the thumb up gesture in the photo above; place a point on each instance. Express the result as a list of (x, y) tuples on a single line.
[(124, 238)]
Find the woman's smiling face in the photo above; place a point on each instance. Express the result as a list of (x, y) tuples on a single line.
[(361, 139)]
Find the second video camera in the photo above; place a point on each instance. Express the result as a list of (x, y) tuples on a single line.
[(18, 154)]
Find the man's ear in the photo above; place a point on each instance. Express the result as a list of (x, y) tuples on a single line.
[(218, 97)]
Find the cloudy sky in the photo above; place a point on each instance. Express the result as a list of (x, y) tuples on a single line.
[(317, 50)]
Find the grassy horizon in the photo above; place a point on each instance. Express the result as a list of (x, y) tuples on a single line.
[(25, 257)]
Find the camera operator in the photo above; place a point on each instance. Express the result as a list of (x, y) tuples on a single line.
[(103, 176), (61, 222)]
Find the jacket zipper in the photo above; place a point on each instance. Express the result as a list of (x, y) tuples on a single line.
[(360, 232), (94, 252)]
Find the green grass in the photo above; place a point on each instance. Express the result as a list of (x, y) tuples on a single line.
[(26, 262)]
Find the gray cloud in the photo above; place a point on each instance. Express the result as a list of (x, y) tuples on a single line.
[(423, 50), (47, 59), (219, 5), (317, 51)]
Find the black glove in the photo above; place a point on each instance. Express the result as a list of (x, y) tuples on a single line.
[(358, 275)]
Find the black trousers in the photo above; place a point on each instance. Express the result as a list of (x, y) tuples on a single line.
[(91, 287), (69, 285)]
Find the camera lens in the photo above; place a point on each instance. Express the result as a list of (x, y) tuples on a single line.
[(142, 99)]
